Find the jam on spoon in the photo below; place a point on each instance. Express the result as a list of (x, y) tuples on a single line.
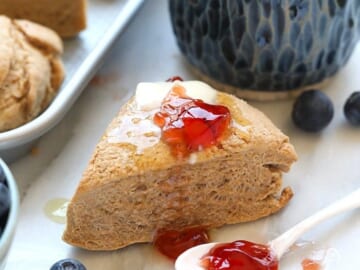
[(242, 255), (189, 125), (308, 264), (196, 258)]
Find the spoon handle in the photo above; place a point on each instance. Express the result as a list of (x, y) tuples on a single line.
[(280, 244)]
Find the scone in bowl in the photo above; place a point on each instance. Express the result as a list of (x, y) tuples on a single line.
[(10, 224)]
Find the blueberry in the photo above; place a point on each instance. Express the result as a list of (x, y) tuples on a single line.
[(352, 109), (3, 221), (4, 205), (68, 264), (2, 175), (312, 111), (4, 199)]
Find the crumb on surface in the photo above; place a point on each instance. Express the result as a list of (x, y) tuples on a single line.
[(101, 79), (34, 151)]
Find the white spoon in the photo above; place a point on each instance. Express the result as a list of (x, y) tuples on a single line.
[(190, 259)]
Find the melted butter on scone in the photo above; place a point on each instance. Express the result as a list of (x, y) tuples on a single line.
[(149, 96), (239, 122), (137, 127)]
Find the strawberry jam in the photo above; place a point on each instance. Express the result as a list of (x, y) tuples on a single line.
[(308, 264), (172, 243), (174, 78), (189, 125), (240, 255)]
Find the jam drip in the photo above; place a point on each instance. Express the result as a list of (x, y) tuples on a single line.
[(242, 255), (174, 78), (189, 125), (172, 243), (308, 264)]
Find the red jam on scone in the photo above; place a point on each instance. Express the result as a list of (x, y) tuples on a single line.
[(189, 125)]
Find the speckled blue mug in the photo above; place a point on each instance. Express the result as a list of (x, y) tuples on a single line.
[(266, 49)]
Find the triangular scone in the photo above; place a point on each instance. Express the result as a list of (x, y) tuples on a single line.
[(133, 185)]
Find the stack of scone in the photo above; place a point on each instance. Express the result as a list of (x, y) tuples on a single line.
[(31, 70), (66, 17)]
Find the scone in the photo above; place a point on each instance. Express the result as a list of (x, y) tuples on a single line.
[(31, 70), (66, 17), (139, 182)]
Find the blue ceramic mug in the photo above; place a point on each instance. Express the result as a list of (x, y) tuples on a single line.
[(266, 47)]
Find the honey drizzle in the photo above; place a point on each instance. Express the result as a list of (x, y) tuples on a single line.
[(55, 210), (238, 120), (136, 128)]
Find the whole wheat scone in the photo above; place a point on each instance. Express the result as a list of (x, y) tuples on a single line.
[(133, 187), (31, 70), (66, 17)]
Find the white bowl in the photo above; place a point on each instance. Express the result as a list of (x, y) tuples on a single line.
[(9, 230)]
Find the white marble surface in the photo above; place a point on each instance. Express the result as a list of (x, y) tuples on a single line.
[(328, 166)]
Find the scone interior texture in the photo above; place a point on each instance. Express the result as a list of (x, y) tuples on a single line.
[(31, 70), (66, 17), (131, 189)]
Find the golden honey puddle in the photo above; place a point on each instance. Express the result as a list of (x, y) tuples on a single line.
[(55, 210)]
